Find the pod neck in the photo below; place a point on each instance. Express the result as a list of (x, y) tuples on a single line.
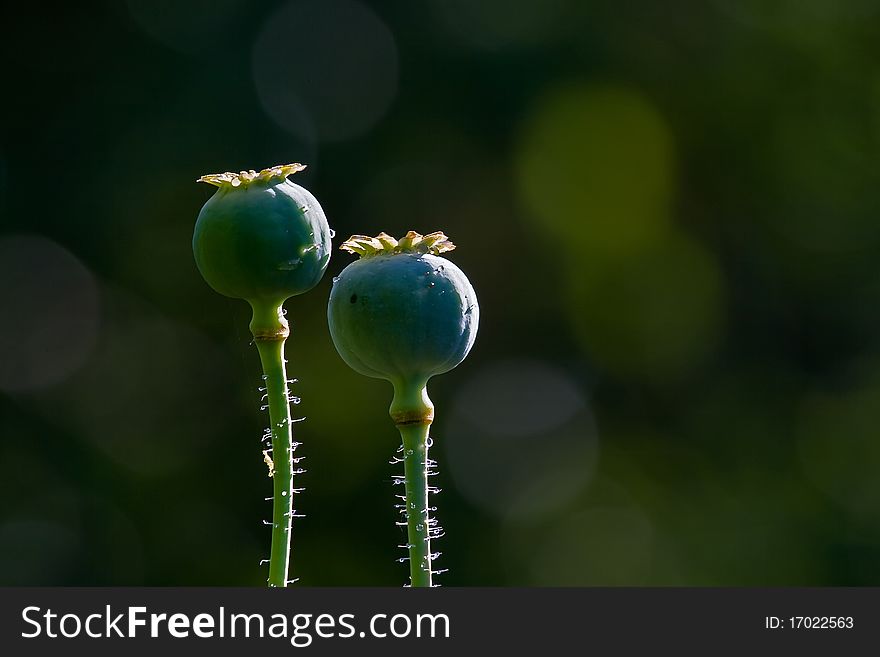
[(268, 322), (411, 404)]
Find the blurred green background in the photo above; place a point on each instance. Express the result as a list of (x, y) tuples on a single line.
[(669, 213)]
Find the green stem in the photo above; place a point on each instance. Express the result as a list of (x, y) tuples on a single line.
[(415, 455), (270, 332), (413, 412)]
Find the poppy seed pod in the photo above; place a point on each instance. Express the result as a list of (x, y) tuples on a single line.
[(402, 312), (261, 237)]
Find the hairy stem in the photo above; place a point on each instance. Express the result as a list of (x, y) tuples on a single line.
[(415, 457), (413, 412), (270, 332)]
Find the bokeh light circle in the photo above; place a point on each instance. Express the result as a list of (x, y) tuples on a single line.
[(653, 316), (50, 313), (839, 450), (325, 69), (146, 399), (595, 168), (521, 440)]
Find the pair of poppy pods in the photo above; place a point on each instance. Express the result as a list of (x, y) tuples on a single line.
[(401, 312)]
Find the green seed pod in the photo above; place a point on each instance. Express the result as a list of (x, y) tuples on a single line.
[(261, 238), (404, 314)]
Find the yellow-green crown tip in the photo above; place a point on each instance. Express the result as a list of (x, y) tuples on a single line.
[(383, 244), (245, 178)]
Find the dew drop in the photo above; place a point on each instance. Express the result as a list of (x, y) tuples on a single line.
[(332, 233), (420, 527), (284, 493)]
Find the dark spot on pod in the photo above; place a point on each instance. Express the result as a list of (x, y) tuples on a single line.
[(354, 298)]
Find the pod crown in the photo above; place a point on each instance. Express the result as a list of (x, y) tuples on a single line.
[(383, 244), (245, 178)]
